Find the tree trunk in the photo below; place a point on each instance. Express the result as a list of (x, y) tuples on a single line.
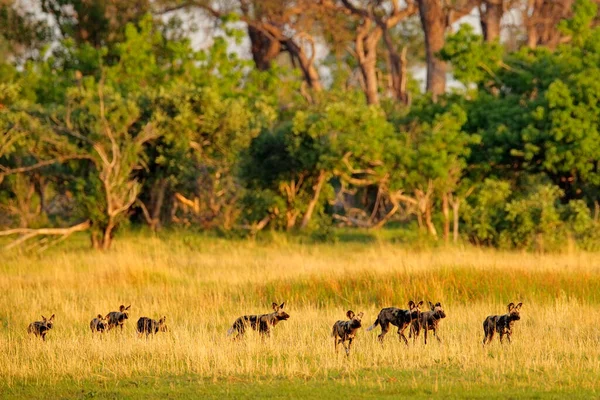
[(264, 49), (306, 64), (366, 52), (397, 63), (434, 26), (491, 12), (446, 213), (315, 199), (428, 221), (157, 199), (107, 235), (541, 18), (455, 207)]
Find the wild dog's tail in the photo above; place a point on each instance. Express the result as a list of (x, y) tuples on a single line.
[(374, 325), (230, 330)]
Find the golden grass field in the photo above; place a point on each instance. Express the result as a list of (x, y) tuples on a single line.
[(203, 284)]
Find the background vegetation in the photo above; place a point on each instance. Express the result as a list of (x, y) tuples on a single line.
[(110, 117)]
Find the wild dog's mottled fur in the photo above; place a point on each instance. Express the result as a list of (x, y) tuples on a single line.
[(41, 328), (501, 323), (346, 330), (99, 324), (151, 326), (262, 323), (397, 317), (428, 320), (117, 318)]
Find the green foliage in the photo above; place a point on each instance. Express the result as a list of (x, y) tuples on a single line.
[(485, 213), (205, 139), (473, 60)]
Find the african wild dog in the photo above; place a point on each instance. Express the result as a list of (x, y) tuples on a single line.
[(501, 323), (428, 320), (346, 330), (117, 318), (99, 324), (397, 317), (262, 323), (151, 326), (41, 328)]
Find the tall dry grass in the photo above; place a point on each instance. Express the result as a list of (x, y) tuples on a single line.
[(203, 286)]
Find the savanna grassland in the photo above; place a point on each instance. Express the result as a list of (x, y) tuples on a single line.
[(202, 284)]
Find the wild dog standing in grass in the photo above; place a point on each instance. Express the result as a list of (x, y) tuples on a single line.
[(118, 317), (397, 317), (151, 326), (428, 320), (41, 328), (99, 324), (501, 323), (262, 322), (346, 330)]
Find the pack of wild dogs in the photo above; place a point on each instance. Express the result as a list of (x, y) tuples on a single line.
[(343, 331)]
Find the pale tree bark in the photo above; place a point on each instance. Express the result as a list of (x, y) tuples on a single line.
[(315, 199), (375, 24), (366, 53), (446, 214), (27, 233), (455, 215), (541, 18)]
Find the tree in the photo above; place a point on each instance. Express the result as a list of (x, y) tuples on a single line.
[(436, 17), (273, 27)]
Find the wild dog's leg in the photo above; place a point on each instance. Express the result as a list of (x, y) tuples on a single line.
[(436, 335), (385, 327), (485, 332), (349, 346), (425, 329), (508, 336), (415, 330), (335, 343), (501, 336), (401, 335)]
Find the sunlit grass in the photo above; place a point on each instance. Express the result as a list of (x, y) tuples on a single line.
[(203, 285)]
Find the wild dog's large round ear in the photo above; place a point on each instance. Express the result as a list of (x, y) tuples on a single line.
[(121, 308), (360, 315), (282, 305), (420, 303), (511, 306), (52, 317), (350, 314), (518, 306), (275, 306), (411, 304), (127, 308), (43, 318), (431, 305), (99, 316), (438, 304)]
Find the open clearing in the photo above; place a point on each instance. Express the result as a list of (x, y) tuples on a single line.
[(203, 284)]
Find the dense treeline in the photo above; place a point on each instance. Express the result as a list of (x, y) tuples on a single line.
[(108, 116)]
